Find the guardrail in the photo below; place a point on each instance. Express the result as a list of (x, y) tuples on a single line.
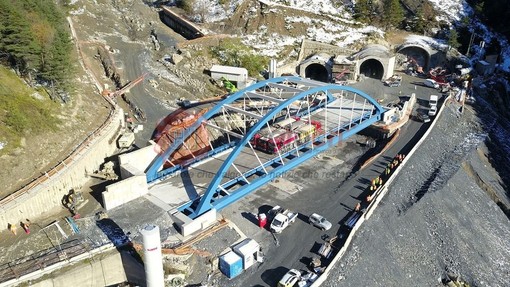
[(378, 196), (68, 160), (46, 261), (76, 150)]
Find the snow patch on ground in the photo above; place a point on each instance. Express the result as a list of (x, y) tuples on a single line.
[(454, 10), (425, 41), (313, 6)]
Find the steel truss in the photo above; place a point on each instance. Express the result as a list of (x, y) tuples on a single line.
[(342, 111)]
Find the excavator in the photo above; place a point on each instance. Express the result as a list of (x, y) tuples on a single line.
[(417, 68), (339, 77), (71, 201), (231, 88)]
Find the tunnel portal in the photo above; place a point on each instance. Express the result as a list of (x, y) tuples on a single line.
[(317, 72), (372, 68)]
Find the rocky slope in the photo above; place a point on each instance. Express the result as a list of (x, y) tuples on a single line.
[(439, 215)]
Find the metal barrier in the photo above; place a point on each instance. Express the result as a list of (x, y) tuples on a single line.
[(76, 151), (378, 196), (41, 262)]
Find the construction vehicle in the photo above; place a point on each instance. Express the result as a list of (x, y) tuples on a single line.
[(326, 248), (107, 173), (393, 81), (285, 135), (282, 219), (126, 140), (125, 88), (339, 78), (184, 103), (71, 201), (453, 280), (413, 66), (231, 88)]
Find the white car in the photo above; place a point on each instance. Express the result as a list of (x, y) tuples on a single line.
[(433, 111), (290, 278), (431, 83), (319, 221)]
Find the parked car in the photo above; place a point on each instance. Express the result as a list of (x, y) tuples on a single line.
[(431, 83), (394, 81), (433, 111), (433, 100), (319, 221), (423, 117), (290, 278)]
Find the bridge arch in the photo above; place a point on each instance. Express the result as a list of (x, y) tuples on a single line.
[(349, 111), (205, 202)]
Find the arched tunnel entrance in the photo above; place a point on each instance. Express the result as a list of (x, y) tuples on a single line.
[(317, 72), (417, 54), (372, 68)]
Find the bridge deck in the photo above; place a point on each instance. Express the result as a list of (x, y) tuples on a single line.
[(192, 182)]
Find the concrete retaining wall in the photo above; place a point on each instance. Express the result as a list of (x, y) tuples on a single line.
[(378, 196), (46, 192), (189, 226), (124, 191)]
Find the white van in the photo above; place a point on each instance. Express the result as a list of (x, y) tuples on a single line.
[(433, 100), (431, 83)]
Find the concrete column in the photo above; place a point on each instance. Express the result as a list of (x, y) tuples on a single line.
[(153, 259)]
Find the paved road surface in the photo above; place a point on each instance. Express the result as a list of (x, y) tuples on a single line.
[(335, 201)]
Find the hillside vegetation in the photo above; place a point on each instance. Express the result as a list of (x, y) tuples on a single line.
[(34, 40), (24, 111)]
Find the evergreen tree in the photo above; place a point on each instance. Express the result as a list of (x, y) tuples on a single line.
[(34, 37), (393, 13), (362, 10), (58, 65), (419, 25), (44, 35), (16, 37), (453, 39)]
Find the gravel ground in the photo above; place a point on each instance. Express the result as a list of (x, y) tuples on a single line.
[(435, 218)]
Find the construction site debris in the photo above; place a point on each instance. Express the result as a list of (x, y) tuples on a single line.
[(108, 172)]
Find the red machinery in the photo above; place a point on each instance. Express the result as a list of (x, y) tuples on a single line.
[(285, 135)]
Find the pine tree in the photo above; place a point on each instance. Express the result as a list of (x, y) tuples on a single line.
[(44, 35), (362, 10), (58, 65), (453, 39), (16, 37), (393, 13), (419, 25)]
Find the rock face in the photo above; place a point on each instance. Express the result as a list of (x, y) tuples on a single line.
[(437, 216), (176, 59)]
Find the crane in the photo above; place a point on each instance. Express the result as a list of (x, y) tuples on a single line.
[(126, 87)]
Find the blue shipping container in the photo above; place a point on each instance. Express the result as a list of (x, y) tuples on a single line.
[(231, 264)]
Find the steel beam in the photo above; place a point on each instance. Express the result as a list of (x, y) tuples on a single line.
[(241, 111), (205, 202)]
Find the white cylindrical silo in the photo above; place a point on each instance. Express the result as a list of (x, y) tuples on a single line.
[(153, 259)]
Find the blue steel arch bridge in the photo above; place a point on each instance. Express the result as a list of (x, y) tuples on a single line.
[(267, 129)]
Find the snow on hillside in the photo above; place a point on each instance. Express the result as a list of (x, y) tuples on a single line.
[(338, 30), (452, 10), (427, 41), (314, 6)]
